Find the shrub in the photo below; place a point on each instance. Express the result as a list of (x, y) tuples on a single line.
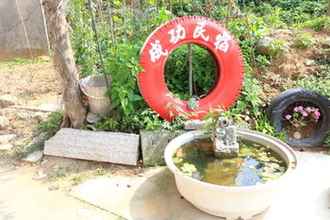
[(314, 83), (319, 82), (121, 44), (318, 24), (203, 67), (299, 11), (52, 124), (250, 101), (303, 40)]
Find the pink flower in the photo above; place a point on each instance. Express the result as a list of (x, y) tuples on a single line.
[(296, 109), (317, 115), (309, 109), (300, 108), (305, 114), (288, 117)]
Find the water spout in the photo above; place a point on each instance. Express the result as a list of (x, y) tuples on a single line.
[(225, 143)]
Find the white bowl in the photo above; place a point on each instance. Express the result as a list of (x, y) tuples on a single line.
[(231, 202)]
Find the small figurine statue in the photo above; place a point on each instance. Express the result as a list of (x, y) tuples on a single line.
[(225, 139)]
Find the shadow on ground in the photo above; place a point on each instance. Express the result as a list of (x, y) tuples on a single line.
[(158, 198)]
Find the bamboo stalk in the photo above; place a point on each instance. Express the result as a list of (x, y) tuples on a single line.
[(111, 23), (190, 70), (98, 46)]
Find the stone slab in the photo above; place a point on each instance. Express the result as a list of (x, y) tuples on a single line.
[(154, 195), (113, 147), (34, 157), (153, 144)]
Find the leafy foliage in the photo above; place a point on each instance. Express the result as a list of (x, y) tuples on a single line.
[(292, 11), (318, 24), (177, 68), (52, 124), (123, 30), (317, 84)]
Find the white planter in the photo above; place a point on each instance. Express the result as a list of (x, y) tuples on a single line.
[(94, 87), (230, 202)]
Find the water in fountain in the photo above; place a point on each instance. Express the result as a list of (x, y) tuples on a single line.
[(253, 165)]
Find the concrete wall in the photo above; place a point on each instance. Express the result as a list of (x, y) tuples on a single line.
[(22, 29)]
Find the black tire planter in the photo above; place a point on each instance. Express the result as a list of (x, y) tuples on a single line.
[(281, 103)]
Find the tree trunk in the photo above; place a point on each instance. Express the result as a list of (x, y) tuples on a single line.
[(63, 59)]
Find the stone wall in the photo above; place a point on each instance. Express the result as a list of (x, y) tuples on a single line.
[(22, 29)]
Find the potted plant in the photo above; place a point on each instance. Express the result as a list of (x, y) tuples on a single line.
[(301, 121)]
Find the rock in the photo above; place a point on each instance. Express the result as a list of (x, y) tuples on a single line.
[(7, 100), (113, 147), (153, 144), (6, 138), (92, 118), (34, 157), (4, 122), (264, 45), (40, 139), (194, 125), (6, 147), (309, 62)]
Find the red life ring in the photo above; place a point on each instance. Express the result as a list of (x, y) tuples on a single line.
[(197, 30)]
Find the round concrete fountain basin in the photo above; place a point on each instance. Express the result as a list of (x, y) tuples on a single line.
[(231, 202)]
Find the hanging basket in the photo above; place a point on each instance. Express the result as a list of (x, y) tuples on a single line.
[(94, 87)]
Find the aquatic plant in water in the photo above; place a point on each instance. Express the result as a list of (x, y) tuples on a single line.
[(255, 164)]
